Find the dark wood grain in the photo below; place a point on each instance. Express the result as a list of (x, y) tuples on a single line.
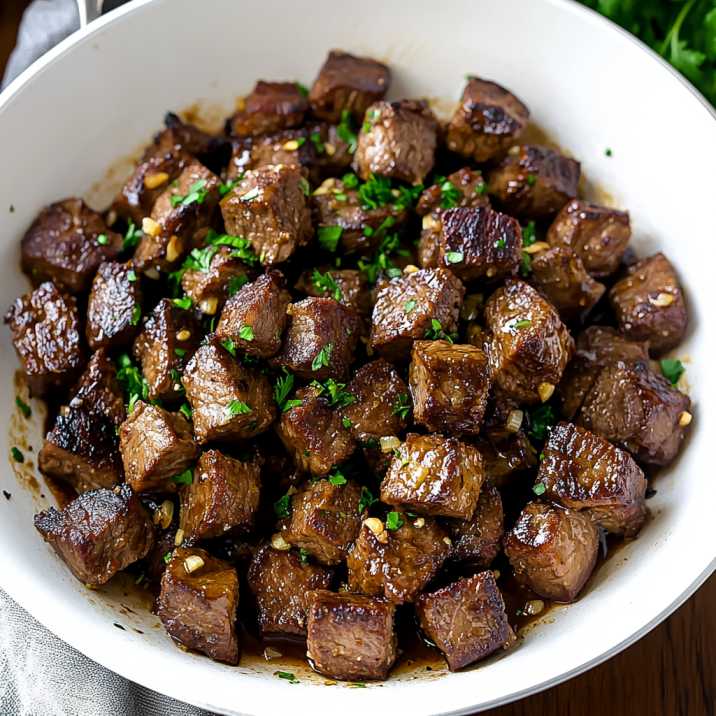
[(670, 672)]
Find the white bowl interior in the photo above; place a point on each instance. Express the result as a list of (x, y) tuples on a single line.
[(99, 96)]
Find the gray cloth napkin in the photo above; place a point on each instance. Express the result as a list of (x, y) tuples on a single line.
[(39, 674)]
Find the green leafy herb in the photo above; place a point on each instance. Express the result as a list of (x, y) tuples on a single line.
[(381, 261), (539, 488), (357, 685), (450, 195), (238, 407), (131, 276), (500, 244), (323, 359), (325, 283), (454, 257), (409, 306), (529, 234), (235, 283), (305, 186), (347, 422), (367, 498), (672, 369), (102, 239), (185, 410), (302, 89), (230, 346), (401, 407), (282, 388), (25, 409), (291, 678), (183, 303), (337, 478), (481, 188), (608, 152), (17, 456), (246, 333), (350, 181), (315, 138), (282, 506), (225, 188), (371, 117), (542, 418), (523, 323), (346, 131), (436, 332), (196, 195), (303, 555), (531, 180), (132, 381), (167, 557), (136, 314), (338, 396), (394, 521), (525, 264), (131, 237), (328, 236), (184, 478)]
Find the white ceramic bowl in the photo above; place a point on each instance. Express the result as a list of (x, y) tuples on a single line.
[(103, 92)]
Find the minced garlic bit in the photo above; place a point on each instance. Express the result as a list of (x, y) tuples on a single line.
[(183, 335), (536, 247), (271, 653), (174, 249), (430, 222), (209, 305), (534, 606), (178, 538), (193, 562), (662, 300), (150, 227), (419, 522), (410, 268), (514, 421), (390, 443), (374, 525), (291, 146), (279, 543), (685, 418), (545, 391), (163, 514), (153, 181)]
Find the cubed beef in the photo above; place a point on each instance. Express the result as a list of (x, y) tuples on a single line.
[(649, 304), (321, 339), (530, 346), (271, 106), (638, 410), (350, 636), (314, 434), (449, 385), (325, 519), (534, 182), (114, 308), (597, 234), (229, 401), (416, 305), (559, 274), (583, 471), (397, 140), (397, 563), (552, 550), (434, 475), (198, 602), (268, 207), (98, 389), (259, 306), (99, 533), (46, 334), (66, 243), (168, 340), (487, 122), (347, 286), (466, 620), (477, 541), (224, 495), (156, 446), (381, 404), (281, 582), (347, 83)]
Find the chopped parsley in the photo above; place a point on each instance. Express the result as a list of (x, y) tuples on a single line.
[(132, 236), (305, 186), (196, 195), (409, 306), (136, 314), (131, 276), (230, 346), (325, 283), (401, 407), (246, 333), (315, 138), (542, 418), (371, 117), (184, 478), (235, 283), (290, 677), (17, 456), (454, 257), (381, 261), (524, 323), (282, 506), (328, 237), (323, 359), (379, 191), (531, 180), (350, 181), (337, 478), (347, 422), (303, 555), (450, 195), (539, 488), (528, 238), (672, 369), (338, 396), (226, 188), (525, 264), (367, 498), (185, 410), (302, 89), (25, 409), (282, 388), (436, 332), (184, 302), (102, 239), (393, 521), (346, 131), (481, 188), (132, 381), (500, 244), (238, 407), (167, 557)]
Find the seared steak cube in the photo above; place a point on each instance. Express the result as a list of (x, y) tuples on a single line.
[(224, 495), (434, 475), (466, 620), (396, 563), (268, 207), (397, 140), (597, 234), (530, 346), (552, 550), (350, 636), (290, 147), (560, 275), (314, 434), (46, 334), (347, 83), (228, 400), (198, 602), (325, 519), (449, 385), (169, 338), (156, 446), (261, 307), (271, 106), (281, 583), (99, 533), (487, 122), (321, 339), (381, 404), (534, 182), (347, 286), (114, 308), (583, 471), (477, 541), (99, 390), (66, 243), (649, 304), (414, 306)]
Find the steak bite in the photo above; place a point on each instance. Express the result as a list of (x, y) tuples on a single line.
[(466, 620), (45, 328), (228, 400), (397, 140), (552, 550), (487, 122), (434, 475), (268, 207), (414, 306), (583, 471), (261, 307), (534, 182), (321, 339), (281, 583), (530, 346), (197, 604), (349, 636), (597, 234), (347, 286), (449, 385), (314, 434), (156, 446), (270, 107), (649, 304), (223, 496), (99, 533), (98, 389), (396, 559), (347, 83), (114, 308), (66, 243)]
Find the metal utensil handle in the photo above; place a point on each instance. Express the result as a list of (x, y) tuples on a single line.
[(89, 10)]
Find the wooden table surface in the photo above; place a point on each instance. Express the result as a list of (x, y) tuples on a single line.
[(670, 672)]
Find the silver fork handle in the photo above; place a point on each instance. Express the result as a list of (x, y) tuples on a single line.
[(89, 10)]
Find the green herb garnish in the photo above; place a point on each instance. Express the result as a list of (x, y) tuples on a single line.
[(542, 418), (672, 369), (323, 359), (184, 478), (401, 407), (291, 678), (25, 409), (454, 257), (17, 456), (394, 521), (328, 237), (338, 396), (282, 506), (196, 195), (346, 131), (246, 333), (238, 407), (367, 498), (230, 346), (184, 303), (337, 478), (325, 283), (436, 332), (102, 239), (132, 236), (185, 410), (539, 488), (136, 314)]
